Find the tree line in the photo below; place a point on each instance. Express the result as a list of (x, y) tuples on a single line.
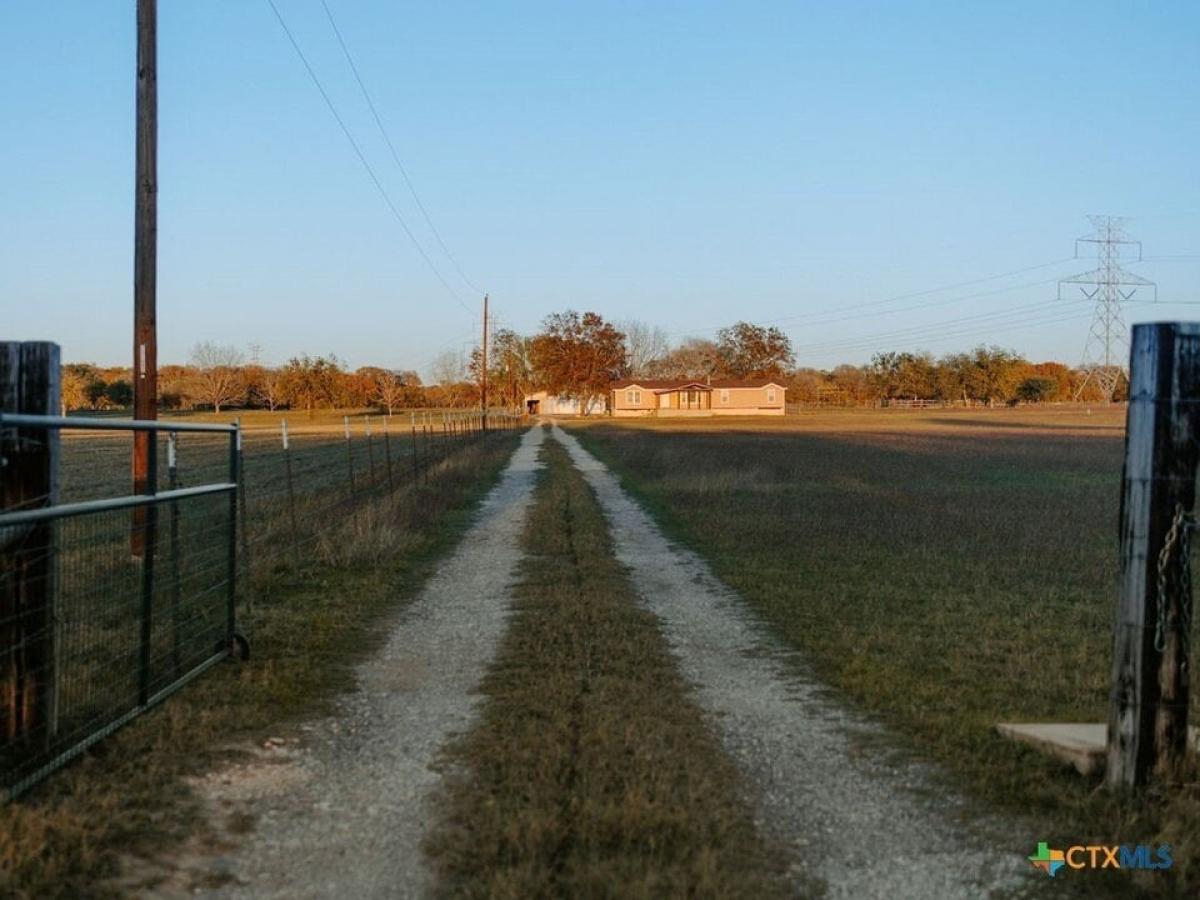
[(578, 355), (219, 377)]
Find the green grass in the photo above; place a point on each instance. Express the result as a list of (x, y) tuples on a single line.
[(590, 773), (944, 570), (311, 624)]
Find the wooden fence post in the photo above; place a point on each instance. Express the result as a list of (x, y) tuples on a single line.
[(29, 457), (1147, 721)]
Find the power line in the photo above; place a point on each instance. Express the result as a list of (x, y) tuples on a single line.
[(1012, 324), (395, 156), (825, 320), (909, 296), (363, 159), (1016, 314)]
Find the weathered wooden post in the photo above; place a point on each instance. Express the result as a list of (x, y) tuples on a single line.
[(29, 457), (145, 263), (1147, 721)]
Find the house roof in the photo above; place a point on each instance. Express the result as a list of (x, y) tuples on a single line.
[(674, 384)]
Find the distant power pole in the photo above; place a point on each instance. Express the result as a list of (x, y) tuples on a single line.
[(483, 398), (1107, 347), (145, 252)]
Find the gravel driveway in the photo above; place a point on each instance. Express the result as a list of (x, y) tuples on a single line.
[(865, 825), (344, 813)]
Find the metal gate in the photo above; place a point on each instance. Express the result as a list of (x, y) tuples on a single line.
[(107, 605)]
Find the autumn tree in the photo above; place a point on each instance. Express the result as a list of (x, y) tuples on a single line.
[(389, 390), (1061, 376), (413, 393), (268, 386), (1036, 389), (119, 393), (218, 376), (694, 358), (852, 382), (82, 386), (746, 350), (309, 382), (645, 345), (448, 367), (509, 374), (986, 373), (577, 356), (805, 385), (912, 375)]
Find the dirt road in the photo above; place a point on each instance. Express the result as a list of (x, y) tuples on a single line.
[(860, 822), (344, 814)]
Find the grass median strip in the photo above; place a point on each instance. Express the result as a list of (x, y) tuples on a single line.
[(590, 772), (128, 796)]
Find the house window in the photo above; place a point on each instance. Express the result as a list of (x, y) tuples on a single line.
[(633, 398), (724, 396), (770, 395)]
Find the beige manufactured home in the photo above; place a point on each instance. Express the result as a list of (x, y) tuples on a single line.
[(697, 397)]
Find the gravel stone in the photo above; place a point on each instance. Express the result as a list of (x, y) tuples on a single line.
[(345, 814), (861, 821)]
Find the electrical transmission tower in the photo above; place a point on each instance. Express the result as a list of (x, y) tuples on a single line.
[(1107, 347)]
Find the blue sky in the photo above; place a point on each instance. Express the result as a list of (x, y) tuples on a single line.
[(687, 164)]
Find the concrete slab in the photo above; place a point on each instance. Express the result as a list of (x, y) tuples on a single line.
[(1083, 745)]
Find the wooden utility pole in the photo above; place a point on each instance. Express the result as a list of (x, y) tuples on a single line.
[(483, 398), (145, 255), (1147, 721), (29, 384)]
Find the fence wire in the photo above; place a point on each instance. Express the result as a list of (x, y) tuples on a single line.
[(105, 613)]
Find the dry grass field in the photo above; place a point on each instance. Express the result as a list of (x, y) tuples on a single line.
[(945, 570)]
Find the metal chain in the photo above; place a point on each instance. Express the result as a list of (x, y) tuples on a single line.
[(1176, 549)]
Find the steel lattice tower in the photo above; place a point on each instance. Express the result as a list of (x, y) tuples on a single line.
[(1107, 347)]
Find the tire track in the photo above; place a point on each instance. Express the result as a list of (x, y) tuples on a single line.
[(345, 815), (863, 825)]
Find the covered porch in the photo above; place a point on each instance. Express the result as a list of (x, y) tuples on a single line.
[(688, 399)]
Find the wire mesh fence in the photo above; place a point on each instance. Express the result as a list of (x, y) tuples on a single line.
[(111, 601), (107, 604)]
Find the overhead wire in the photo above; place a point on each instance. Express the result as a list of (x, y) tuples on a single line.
[(907, 296), (363, 159), (1024, 313), (911, 340), (392, 148)]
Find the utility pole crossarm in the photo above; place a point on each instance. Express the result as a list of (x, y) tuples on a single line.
[(1102, 276)]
